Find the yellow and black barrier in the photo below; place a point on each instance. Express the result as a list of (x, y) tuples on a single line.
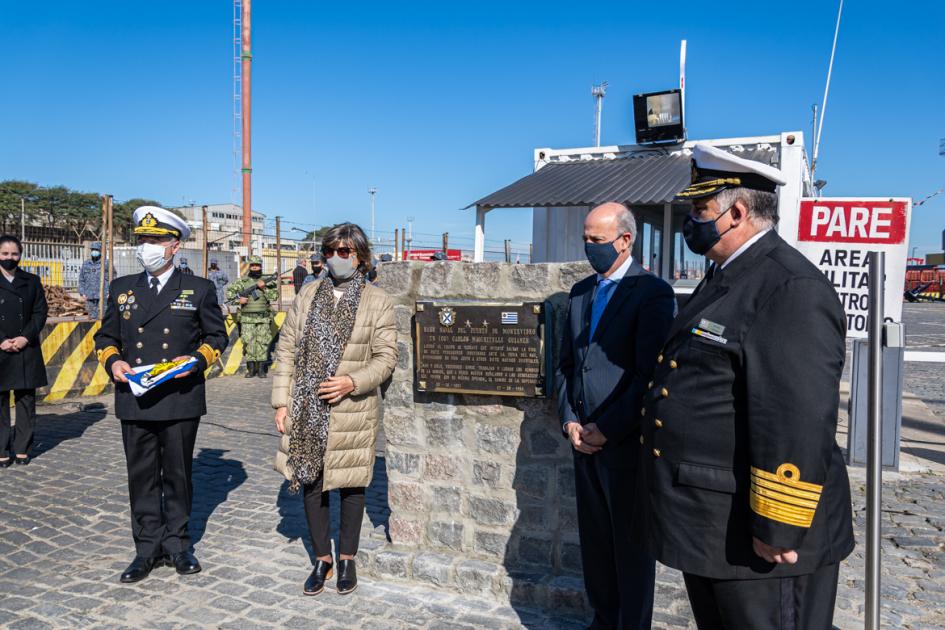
[(73, 369)]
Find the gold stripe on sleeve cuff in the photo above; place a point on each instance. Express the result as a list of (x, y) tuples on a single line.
[(781, 512), (106, 353), (208, 353)]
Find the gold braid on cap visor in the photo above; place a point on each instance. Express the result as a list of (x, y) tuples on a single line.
[(702, 188), (156, 231)]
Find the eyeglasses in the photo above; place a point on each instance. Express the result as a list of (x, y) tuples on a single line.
[(343, 252)]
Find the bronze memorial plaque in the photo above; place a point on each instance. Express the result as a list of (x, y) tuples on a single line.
[(469, 348)]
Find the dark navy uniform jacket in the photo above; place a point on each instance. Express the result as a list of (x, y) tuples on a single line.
[(185, 319), (740, 420)]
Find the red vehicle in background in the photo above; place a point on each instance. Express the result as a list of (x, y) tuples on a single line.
[(924, 283)]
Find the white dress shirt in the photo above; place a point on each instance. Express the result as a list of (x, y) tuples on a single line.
[(162, 279), (621, 271)]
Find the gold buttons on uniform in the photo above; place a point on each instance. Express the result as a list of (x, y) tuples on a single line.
[(673, 365), (138, 361), (658, 423), (643, 411), (167, 331), (641, 439), (664, 393), (656, 452), (650, 386), (140, 330), (139, 345), (164, 346), (659, 359)]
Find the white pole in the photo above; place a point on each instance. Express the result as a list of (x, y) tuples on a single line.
[(823, 108), (22, 218), (682, 82), (600, 102), (373, 192)]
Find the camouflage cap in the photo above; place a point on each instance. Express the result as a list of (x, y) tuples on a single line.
[(255, 260)]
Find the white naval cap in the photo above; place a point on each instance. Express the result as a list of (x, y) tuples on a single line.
[(714, 170), (156, 221)]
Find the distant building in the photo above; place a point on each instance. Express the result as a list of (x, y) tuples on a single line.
[(224, 226)]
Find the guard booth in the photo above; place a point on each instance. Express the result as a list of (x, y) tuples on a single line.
[(567, 183)]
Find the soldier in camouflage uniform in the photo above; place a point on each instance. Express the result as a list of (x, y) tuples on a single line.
[(90, 280), (255, 295)]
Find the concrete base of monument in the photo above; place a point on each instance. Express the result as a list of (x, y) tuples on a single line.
[(563, 594)]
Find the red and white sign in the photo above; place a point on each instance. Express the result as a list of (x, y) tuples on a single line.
[(427, 254), (836, 234)]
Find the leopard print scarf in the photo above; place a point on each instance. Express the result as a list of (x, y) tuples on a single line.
[(324, 337)]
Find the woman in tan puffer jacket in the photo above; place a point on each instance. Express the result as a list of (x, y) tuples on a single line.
[(337, 345)]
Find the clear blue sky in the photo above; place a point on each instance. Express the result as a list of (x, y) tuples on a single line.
[(439, 103)]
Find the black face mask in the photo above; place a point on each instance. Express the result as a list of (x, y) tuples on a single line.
[(316, 270), (9, 263), (602, 256), (255, 274), (701, 236)]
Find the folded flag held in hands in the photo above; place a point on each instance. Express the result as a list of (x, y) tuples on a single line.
[(147, 377)]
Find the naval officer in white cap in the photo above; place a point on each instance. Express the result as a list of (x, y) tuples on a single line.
[(156, 316), (745, 489)]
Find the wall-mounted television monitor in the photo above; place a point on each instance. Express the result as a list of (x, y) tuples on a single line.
[(658, 117)]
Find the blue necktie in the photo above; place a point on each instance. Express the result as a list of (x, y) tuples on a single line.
[(604, 289)]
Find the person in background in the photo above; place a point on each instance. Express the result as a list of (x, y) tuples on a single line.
[(616, 321), (318, 269), (23, 313), (158, 316), (746, 491), (298, 274), (219, 279), (185, 267), (255, 296), (338, 344), (91, 281)]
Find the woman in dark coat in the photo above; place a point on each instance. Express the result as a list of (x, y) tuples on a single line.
[(23, 312)]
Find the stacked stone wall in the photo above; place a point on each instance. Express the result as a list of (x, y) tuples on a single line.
[(481, 488)]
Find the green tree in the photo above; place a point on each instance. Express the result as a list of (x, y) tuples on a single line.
[(11, 193)]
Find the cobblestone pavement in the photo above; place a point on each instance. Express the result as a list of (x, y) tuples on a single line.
[(65, 537), (925, 331)]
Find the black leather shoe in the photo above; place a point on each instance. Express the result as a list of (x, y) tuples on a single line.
[(315, 583), (250, 369), (6, 463), (185, 563), (140, 568), (262, 370), (347, 577), (22, 461)]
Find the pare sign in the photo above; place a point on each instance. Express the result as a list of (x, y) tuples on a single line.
[(836, 234)]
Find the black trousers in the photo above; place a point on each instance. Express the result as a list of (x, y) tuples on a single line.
[(159, 455), (618, 573), (318, 514), (22, 434), (804, 602)]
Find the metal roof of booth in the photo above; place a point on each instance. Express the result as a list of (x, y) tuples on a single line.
[(641, 178)]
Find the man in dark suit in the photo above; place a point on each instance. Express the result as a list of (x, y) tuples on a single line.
[(747, 491), (616, 321), (153, 317)]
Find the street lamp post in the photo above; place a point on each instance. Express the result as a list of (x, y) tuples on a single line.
[(373, 192)]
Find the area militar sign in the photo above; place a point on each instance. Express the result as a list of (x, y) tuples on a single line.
[(837, 234)]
